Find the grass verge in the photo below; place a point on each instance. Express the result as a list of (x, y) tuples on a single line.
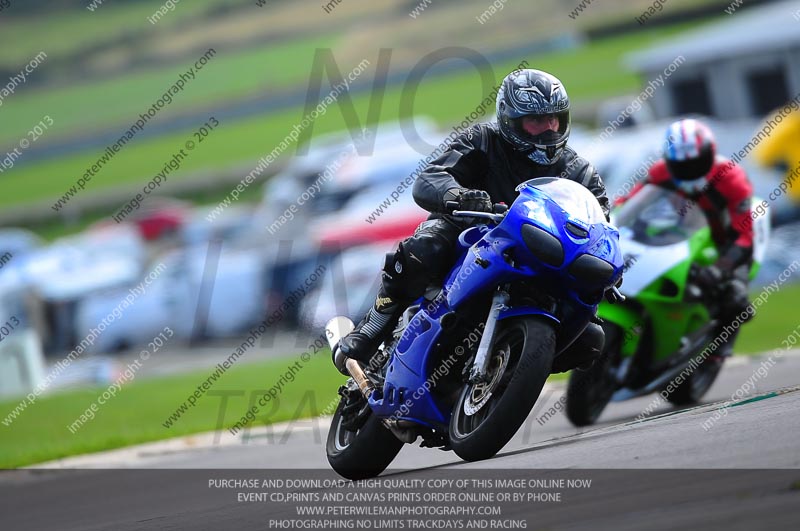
[(135, 415), (117, 102), (775, 321), (63, 31)]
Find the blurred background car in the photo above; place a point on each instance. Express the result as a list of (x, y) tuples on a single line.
[(350, 288)]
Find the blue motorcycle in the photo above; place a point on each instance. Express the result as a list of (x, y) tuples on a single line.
[(467, 361)]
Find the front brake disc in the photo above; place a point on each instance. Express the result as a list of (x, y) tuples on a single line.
[(480, 392)]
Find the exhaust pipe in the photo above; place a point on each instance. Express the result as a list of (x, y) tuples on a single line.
[(361, 379), (335, 330)]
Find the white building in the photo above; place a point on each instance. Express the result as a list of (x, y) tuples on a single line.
[(741, 67)]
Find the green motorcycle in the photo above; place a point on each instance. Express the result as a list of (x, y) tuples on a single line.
[(657, 339)]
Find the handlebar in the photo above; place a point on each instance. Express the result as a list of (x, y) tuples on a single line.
[(498, 214)]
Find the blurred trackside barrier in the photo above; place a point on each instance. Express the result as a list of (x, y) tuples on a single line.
[(89, 339)]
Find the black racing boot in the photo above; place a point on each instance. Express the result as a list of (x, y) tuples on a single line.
[(736, 312), (362, 343)]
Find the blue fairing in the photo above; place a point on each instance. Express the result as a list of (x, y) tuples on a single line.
[(492, 257)]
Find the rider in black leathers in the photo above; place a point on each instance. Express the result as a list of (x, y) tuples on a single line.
[(482, 166)]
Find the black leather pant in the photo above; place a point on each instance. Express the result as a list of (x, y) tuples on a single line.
[(421, 260)]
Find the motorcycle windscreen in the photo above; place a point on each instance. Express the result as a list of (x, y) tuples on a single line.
[(575, 199), (658, 217)]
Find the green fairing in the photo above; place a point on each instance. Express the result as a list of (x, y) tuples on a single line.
[(663, 305), (628, 320), (652, 334)]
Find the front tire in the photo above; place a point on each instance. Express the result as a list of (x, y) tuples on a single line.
[(692, 389), (363, 453), (590, 391), (522, 358)]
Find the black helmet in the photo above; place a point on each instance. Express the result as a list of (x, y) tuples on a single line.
[(528, 97)]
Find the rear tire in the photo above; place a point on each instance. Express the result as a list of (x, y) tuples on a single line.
[(364, 453), (530, 345)]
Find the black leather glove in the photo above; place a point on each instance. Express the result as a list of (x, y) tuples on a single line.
[(474, 200), (709, 277)]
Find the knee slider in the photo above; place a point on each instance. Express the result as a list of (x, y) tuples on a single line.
[(403, 278), (425, 248), (394, 275), (418, 261)]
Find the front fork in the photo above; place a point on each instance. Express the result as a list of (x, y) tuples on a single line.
[(477, 373)]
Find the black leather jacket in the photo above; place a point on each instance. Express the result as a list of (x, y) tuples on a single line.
[(480, 159)]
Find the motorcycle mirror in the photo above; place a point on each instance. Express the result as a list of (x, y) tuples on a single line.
[(614, 295)]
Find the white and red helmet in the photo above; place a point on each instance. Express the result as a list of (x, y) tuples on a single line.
[(689, 149)]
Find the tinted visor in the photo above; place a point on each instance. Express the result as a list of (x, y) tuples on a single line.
[(541, 129), (691, 169)]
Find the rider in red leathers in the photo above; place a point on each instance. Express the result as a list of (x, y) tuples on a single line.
[(720, 188)]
